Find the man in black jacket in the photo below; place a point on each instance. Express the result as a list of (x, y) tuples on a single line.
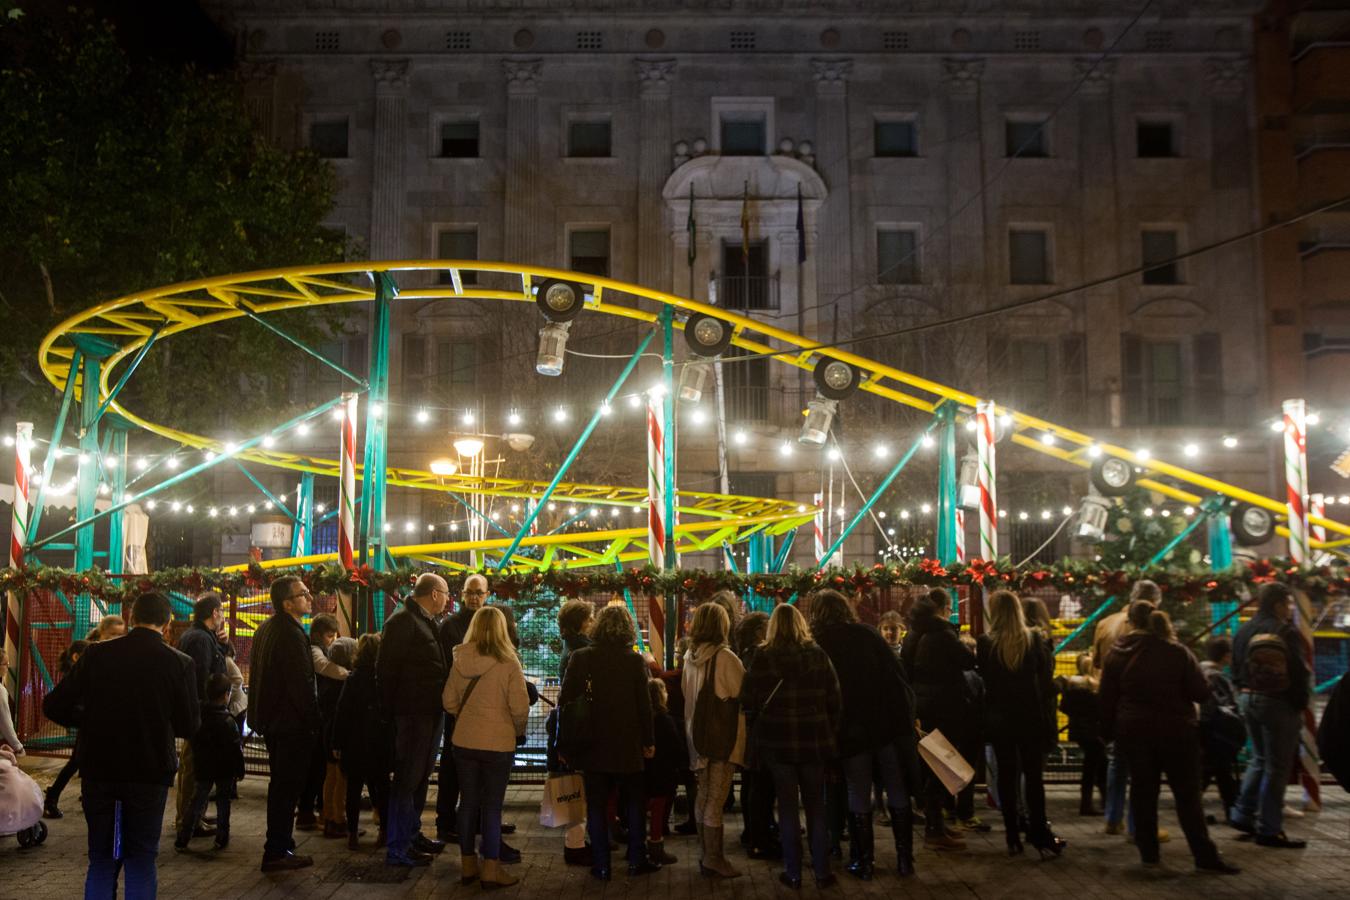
[(1274, 720), (129, 698), (283, 707), (412, 672), (208, 658), (451, 632)]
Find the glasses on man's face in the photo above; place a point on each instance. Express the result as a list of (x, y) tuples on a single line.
[(302, 594), (475, 593)]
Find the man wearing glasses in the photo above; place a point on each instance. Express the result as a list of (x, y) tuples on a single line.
[(284, 708), (412, 671)]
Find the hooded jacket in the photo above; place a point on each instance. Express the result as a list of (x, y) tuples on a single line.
[(877, 699), (791, 695), (499, 707), (1149, 688), (730, 674), (935, 663)]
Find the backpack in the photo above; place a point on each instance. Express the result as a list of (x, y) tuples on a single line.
[(1267, 665)]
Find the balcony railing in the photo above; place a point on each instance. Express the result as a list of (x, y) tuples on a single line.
[(748, 292)]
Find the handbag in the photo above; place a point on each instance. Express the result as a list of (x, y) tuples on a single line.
[(949, 766), (716, 720), (576, 725), (564, 801)]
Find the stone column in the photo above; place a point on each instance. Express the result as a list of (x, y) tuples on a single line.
[(523, 225), (1101, 236), (654, 260), (834, 249), (387, 160)]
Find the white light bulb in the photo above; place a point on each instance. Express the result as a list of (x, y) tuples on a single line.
[(594, 512), (834, 454), (175, 506), (409, 526), (1142, 454), (454, 526), (320, 507), (1068, 511), (741, 438), (234, 510), (571, 510), (377, 410), (970, 425), (468, 417), (634, 401), (785, 449), (387, 526), (209, 455), (698, 416), (1190, 510), (1048, 439), (213, 512), (881, 451), (83, 458), (269, 442), (231, 447), (1313, 419), (431, 527), (1094, 450), (103, 490), (613, 511), (904, 514), (423, 417), (9, 440), (142, 464), (250, 509), (337, 414), (515, 507), (1277, 425), (928, 440), (1148, 511), (1230, 442), (171, 462), (110, 462), (1045, 514), (560, 414), (1166, 513), (552, 506), (150, 504), (605, 409), (513, 418), (882, 514), (926, 508), (302, 429), (1003, 514), (1191, 450), (1022, 516), (191, 508)]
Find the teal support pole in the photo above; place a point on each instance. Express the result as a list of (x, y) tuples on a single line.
[(1221, 560), (876, 494), (781, 556), (632, 610), (947, 498), (668, 446), (371, 540), (126, 376), (276, 501), (117, 452), (302, 536), (49, 463), (574, 452), (1086, 623), (303, 346), (88, 478)]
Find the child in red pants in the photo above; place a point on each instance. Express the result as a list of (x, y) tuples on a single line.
[(662, 771)]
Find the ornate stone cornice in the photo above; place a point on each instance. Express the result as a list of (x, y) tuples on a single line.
[(389, 74), (1095, 74), (831, 75), (654, 75), (523, 75), (962, 76), (1227, 77)]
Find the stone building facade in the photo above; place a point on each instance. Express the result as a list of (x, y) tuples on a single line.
[(946, 158)]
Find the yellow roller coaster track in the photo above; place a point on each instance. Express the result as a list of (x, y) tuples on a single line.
[(128, 322)]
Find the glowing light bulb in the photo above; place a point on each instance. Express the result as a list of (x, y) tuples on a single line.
[(1230, 442), (302, 429), (269, 442), (513, 418), (1277, 425), (142, 464), (785, 449), (560, 414), (468, 417), (881, 451), (1142, 454), (926, 508), (928, 440), (698, 416), (423, 417), (1048, 439), (1191, 450), (740, 438), (605, 409)]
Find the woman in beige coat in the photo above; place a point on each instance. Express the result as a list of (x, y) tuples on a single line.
[(487, 696), (708, 643)]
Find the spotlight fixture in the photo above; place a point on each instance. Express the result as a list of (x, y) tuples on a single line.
[(443, 467), (820, 414), (1092, 516), (694, 380), (970, 480), (707, 336), (469, 447), (552, 348), (835, 379)]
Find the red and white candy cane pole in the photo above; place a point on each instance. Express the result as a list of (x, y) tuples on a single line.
[(984, 446), (347, 484), (23, 470), (1296, 478), (960, 534), (818, 527), (656, 520)]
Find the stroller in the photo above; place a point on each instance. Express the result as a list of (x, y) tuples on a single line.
[(20, 802)]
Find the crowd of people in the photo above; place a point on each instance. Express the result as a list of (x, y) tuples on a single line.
[(820, 714)]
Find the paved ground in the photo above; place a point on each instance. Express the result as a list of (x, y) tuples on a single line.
[(1094, 865)]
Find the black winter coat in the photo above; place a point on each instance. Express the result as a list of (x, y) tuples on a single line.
[(878, 704), (1149, 688), (1078, 701), (791, 699), (129, 698), (217, 750), (1333, 734), (571, 644), (362, 732), (935, 663), (621, 707), (413, 667), (662, 773), (452, 629), (1015, 704), (208, 657), (281, 692)]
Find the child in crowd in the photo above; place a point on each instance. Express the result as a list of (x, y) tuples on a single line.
[(1078, 701), (51, 808), (1223, 732), (892, 628), (343, 653), (218, 754), (363, 740), (323, 631), (662, 771)]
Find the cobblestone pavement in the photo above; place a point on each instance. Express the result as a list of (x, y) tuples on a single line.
[(1094, 865)]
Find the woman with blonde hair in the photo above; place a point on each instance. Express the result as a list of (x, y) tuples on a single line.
[(486, 694), (710, 658), (791, 695), (1017, 673)]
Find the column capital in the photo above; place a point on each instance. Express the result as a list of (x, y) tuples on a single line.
[(654, 75), (1096, 75), (831, 75), (1226, 77), (523, 75), (390, 75), (962, 76)]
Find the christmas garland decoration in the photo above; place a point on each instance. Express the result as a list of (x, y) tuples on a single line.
[(1082, 578)]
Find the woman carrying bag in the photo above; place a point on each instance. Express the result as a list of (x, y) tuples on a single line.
[(791, 695), (714, 725), (486, 694)]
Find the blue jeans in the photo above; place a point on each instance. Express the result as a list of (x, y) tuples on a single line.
[(482, 789), (416, 738), (809, 779), (1273, 726), (858, 773), (201, 796), (632, 789), (124, 820), (1117, 779)]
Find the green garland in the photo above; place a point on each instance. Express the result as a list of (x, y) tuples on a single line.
[(1084, 579)]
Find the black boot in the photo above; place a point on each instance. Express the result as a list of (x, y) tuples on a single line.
[(861, 849), (902, 826)]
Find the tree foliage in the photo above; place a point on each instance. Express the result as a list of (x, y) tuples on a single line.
[(123, 173), (1136, 530)]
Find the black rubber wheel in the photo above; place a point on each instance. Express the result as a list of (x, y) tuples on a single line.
[(25, 837), (707, 335), (559, 301), (835, 379), (41, 832), (1112, 476), (1251, 525)]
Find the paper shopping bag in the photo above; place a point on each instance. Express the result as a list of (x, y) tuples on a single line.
[(948, 765), (564, 801)]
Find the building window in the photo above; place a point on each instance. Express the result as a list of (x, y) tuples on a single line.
[(328, 138), (456, 364), (743, 135), (745, 281), (589, 139), (895, 138), (459, 140), (414, 360), (1026, 138), (589, 252), (1028, 256), (590, 40), (458, 243), (898, 256), (1155, 139), (895, 40), (746, 385), (1029, 374), (742, 40), (327, 41), (1153, 382), (1157, 246), (458, 40)]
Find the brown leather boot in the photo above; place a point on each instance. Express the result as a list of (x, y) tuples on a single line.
[(468, 869), (494, 876)]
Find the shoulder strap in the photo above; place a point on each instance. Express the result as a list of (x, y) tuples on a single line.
[(468, 692)]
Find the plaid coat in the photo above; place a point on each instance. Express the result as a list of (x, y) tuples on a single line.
[(798, 722)]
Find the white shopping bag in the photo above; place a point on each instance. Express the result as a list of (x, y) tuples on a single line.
[(564, 801), (949, 766)]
